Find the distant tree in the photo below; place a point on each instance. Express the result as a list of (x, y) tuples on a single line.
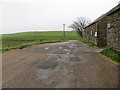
[(80, 24)]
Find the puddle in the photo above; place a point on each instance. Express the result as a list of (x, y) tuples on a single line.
[(60, 47), (47, 65), (47, 48), (40, 50), (60, 52), (66, 50), (66, 47), (74, 59)]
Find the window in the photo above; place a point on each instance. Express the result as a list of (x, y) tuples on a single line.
[(91, 33), (95, 34), (108, 25)]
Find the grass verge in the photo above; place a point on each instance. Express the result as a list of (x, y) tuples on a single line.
[(29, 44), (112, 54), (88, 43)]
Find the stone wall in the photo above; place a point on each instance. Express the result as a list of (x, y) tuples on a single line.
[(113, 30), (89, 33), (108, 30), (102, 32)]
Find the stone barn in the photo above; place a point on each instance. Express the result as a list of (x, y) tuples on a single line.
[(105, 31)]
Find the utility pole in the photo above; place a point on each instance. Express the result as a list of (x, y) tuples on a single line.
[(64, 30)]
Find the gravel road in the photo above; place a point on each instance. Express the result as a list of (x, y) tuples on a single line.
[(69, 64)]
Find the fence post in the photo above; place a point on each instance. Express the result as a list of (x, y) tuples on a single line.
[(64, 30)]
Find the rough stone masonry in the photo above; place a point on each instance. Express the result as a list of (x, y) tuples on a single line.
[(105, 31)]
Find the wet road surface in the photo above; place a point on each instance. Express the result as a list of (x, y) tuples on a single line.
[(59, 65)]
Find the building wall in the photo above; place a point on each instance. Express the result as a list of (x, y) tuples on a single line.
[(113, 30), (89, 33), (102, 33), (108, 31)]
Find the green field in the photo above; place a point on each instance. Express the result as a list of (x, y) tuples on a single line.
[(9, 40)]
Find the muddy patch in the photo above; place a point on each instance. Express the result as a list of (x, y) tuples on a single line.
[(74, 59), (66, 47), (47, 65), (60, 52), (40, 50), (21, 58), (47, 48)]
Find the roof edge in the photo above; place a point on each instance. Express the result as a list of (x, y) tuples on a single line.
[(106, 14)]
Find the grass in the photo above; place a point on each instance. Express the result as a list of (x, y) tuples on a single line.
[(88, 43), (112, 54), (20, 40), (29, 44)]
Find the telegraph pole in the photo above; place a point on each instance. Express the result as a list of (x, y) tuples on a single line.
[(64, 30)]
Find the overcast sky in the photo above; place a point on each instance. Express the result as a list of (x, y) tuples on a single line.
[(28, 15)]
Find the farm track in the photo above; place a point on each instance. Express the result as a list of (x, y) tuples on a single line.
[(58, 65)]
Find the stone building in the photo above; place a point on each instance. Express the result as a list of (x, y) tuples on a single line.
[(105, 31)]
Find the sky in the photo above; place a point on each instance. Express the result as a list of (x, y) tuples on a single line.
[(48, 15)]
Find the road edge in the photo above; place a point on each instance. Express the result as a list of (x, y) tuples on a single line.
[(108, 59)]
